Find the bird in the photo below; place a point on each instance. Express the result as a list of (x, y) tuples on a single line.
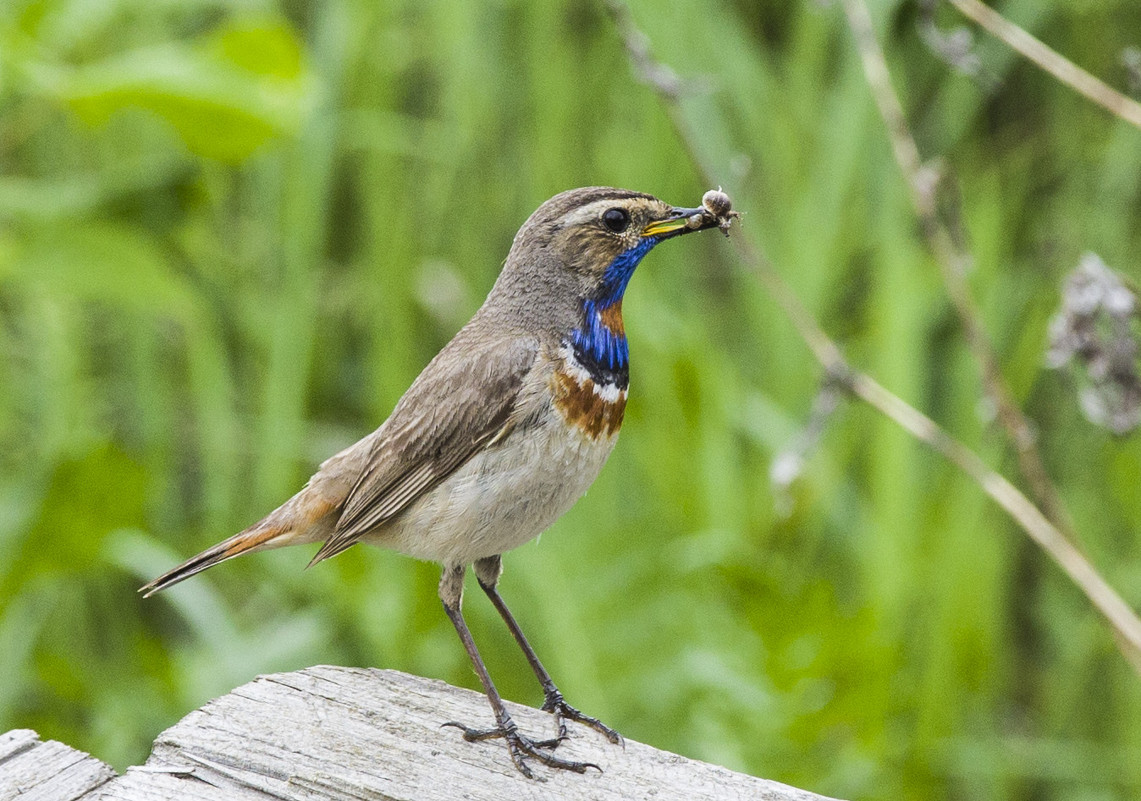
[(500, 434)]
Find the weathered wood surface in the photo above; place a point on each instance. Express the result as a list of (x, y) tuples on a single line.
[(31, 770), (333, 734)]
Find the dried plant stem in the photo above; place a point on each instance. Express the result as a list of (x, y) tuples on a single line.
[(1125, 623), (1121, 617), (953, 262), (1051, 61)]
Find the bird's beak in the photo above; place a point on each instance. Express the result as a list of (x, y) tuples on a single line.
[(680, 221)]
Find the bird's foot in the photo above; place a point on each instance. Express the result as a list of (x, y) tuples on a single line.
[(521, 746), (557, 706)]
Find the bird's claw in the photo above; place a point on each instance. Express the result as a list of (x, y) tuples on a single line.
[(557, 706), (520, 747)]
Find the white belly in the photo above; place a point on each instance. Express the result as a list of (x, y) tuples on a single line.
[(502, 497)]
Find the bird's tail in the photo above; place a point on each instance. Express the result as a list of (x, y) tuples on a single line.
[(306, 517), (259, 536)]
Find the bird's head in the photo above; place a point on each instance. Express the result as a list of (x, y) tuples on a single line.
[(571, 261), (598, 235)]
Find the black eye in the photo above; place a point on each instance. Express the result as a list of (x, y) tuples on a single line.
[(617, 220)]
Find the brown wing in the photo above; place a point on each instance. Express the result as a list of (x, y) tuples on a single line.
[(462, 401)]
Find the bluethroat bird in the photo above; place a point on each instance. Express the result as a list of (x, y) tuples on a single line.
[(503, 430)]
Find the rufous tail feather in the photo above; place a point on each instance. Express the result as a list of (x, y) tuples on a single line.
[(255, 537)]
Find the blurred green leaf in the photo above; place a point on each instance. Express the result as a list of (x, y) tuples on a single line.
[(86, 499), (268, 48), (90, 262), (226, 96)]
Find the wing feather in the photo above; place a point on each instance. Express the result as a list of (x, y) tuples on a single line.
[(461, 402)]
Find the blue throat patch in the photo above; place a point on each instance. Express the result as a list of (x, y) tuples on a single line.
[(599, 348)]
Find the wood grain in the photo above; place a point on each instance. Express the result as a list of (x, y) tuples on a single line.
[(334, 733), (31, 770)]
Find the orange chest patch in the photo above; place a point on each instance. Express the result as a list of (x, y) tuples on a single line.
[(611, 317), (596, 410)]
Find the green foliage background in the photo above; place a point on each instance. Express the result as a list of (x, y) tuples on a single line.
[(232, 232)]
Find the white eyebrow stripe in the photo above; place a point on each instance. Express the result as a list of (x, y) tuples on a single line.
[(589, 212)]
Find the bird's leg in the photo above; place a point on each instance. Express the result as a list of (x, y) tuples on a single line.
[(487, 571), (519, 746)]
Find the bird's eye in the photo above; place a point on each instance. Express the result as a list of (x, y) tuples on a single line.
[(617, 220)]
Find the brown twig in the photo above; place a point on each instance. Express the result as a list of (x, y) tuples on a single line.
[(1051, 61), (1124, 622)]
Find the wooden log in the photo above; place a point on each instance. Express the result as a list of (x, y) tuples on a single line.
[(335, 734)]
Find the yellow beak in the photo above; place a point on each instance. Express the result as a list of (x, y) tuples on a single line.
[(663, 227), (679, 222)]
